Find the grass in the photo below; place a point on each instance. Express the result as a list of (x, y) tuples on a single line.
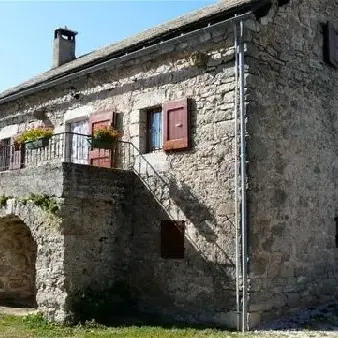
[(34, 326)]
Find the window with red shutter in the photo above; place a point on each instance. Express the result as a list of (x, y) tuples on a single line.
[(172, 239), (17, 155), (331, 45), (5, 154), (176, 125), (101, 157)]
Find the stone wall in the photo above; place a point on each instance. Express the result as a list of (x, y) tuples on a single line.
[(292, 123), (196, 289), (23, 216), (201, 178), (97, 229), (85, 245), (34, 233), (47, 179), (292, 171)]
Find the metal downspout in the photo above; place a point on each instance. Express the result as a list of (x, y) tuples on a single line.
[(243, 179), (237, 226)]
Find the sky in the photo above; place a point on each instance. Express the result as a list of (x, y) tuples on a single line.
[(27, 28)]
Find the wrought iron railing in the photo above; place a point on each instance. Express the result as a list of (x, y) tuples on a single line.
[(77, 148), (65, 147)]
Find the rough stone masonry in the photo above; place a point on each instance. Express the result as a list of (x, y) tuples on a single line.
[(198, 288), (108, 226), (292, 121)]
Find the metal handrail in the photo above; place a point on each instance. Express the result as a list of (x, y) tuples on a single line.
[(145, 160), (60, 147)]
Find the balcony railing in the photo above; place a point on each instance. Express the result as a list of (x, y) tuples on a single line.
[(67, 147)]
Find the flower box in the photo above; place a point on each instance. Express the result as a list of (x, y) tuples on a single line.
[(102, 144), (34, 138), (36, 144), (104, 138)]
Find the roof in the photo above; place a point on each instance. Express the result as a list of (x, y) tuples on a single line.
[(164, 31)]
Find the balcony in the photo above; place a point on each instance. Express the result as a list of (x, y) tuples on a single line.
[(67, 148)]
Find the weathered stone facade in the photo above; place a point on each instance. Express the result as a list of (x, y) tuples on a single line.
[(191, 190), (84, 245), (108, 227), (292, 120)]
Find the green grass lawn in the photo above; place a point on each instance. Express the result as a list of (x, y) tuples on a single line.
[(33, 326)]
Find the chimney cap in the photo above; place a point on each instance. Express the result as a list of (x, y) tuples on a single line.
[(65, 31)]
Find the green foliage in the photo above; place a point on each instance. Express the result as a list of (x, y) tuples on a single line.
[(36, 326), (43, 201), (106, 134), (92, 324), (3, 200), (36, 321), (34, 134)]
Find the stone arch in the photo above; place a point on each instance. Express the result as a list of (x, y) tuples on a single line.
[(18, 252), (46, 231)]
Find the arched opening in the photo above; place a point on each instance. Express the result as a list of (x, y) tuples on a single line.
[(17, 263)]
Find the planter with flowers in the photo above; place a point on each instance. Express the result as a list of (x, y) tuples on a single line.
[(104, 138), (35, 138)]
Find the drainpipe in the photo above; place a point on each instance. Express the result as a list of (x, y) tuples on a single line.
[(244, 222), (237, 226), (240, 184)]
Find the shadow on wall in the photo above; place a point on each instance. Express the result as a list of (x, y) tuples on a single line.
[(196, 212), (113, 262), (195, 289)]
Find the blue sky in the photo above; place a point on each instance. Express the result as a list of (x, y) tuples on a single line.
[(27, 29)]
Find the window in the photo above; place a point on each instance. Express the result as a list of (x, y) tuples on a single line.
[(154, 129), (101, 157), (79, 148), (172, 239), (5, 153), (165, 127)]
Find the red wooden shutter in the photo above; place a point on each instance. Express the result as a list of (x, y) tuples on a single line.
[(176, 125), (172, 239), (331, 45), (16, 156), (101, 157)]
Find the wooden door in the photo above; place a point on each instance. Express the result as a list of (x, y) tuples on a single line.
[(101, 157)]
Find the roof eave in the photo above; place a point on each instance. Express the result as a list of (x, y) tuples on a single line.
[(121, 48)]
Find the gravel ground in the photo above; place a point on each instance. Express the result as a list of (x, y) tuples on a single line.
[(310, 322)]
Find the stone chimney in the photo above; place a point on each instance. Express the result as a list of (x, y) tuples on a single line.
[(64, 46)]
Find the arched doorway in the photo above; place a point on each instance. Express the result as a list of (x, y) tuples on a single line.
[(17, 263)]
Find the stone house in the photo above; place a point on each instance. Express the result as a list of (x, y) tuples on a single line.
[(218, 203)]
